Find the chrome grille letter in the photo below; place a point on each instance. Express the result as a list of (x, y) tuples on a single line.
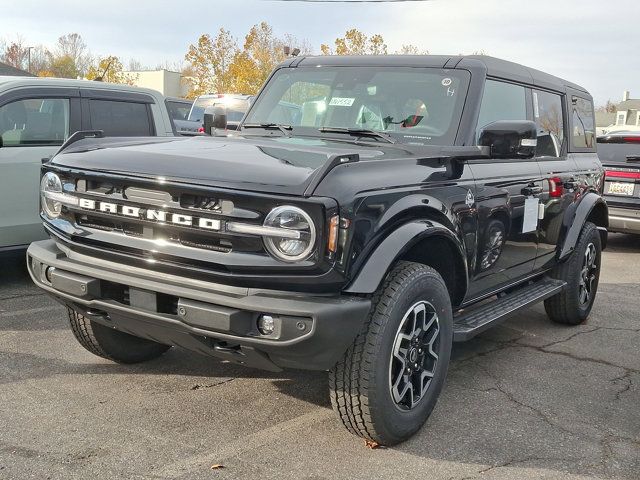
[(86, 203), (158, 215), (182, 219), (209, 224), (108, 207), (130, 211)]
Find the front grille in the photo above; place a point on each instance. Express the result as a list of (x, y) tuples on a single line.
[(193, 231)]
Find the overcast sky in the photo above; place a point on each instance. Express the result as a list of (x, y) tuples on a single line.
[(593, 43)]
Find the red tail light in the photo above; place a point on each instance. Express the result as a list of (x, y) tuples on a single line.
[(556, 187), (623, 174), (631, 139), (201, 130)]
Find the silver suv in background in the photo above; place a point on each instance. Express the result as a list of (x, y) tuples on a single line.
[(37, 115), (235, 105)]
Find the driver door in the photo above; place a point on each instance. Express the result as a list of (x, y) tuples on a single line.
[(507, 245)]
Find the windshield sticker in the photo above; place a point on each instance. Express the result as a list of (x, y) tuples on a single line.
[(341, 102), (446, 82), (451, 92)]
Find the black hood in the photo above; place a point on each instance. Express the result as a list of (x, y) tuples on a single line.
[(276, 165)]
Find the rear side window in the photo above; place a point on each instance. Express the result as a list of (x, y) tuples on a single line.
[(547, 111), (34, 122), (120, 119), (501, 101), (178, 110), (583, 133)]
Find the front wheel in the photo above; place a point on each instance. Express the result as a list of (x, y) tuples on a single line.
[(389, 380), (112, 344), (581, 272)]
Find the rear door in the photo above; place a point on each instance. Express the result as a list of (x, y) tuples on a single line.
[(34, 122), (507, 247), (561, 181), (118, 114)]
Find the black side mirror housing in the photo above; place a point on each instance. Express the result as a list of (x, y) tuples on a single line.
[(510, 138), (216, 120)]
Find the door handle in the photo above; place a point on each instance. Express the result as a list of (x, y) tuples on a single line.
[(531, 190)]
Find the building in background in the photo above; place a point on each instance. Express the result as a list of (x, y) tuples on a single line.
[(167, 82), (625, 117), (8, 70)]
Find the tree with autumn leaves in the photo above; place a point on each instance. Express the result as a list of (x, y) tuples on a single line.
[(216, 64), (219, 65)]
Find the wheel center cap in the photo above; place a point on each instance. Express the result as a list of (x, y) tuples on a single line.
[(413, 355)]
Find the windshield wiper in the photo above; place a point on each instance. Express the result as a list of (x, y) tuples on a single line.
[(358, 132), (270, 126)]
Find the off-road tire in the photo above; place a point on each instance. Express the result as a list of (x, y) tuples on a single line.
[(565, 307), (112, 344), (359, 382)]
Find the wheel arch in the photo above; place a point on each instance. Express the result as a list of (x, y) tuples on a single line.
[(592, 208), (426, 242)]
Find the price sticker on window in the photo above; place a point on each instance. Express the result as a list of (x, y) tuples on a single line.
[(341, 101)]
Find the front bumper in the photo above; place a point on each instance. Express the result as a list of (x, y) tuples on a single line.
[(312, 331), (624, 220)]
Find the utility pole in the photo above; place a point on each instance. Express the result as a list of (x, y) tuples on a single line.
[(29, 58)]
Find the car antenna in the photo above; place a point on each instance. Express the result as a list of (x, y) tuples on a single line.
[(100, 78)]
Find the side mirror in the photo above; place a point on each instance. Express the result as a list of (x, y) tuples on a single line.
[(216, 120), (510, 138)]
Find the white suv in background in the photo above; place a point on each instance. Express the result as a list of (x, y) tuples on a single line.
[(37, 115)]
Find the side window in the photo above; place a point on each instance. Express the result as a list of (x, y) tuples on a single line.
[(582, 123), (547, 111), (178, 110), (501, 101), (35, 122), (120, 119)]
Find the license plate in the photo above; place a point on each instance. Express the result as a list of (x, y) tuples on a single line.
[(617, 188)]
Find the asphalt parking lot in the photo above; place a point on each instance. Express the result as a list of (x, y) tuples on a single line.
[(528, 399)]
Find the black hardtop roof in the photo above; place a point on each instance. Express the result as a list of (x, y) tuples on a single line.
[(495, 67)]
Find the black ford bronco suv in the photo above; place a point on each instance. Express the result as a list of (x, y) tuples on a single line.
[(368, 212)]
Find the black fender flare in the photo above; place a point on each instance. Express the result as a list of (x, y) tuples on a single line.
[(574, 223), (397, 243)]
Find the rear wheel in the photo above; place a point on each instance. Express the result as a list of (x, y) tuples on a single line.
[(388, 382), (581, 271), (112, 344)]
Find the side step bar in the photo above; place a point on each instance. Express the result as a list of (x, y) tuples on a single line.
[(470, 323)]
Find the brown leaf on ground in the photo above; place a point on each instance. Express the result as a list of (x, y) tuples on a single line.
[(216, 466), (371, 444)]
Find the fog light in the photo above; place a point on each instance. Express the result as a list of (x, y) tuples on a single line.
[(47, 273), (266, 324)]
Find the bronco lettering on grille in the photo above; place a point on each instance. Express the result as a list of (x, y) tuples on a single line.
[(150, 214)]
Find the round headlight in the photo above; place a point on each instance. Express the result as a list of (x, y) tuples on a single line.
[(290, 247), (50, 184)]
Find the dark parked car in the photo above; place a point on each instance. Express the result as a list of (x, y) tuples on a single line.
[(620, 155), (409, 203)]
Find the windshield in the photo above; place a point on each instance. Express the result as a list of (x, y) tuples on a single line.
[(413, 105)]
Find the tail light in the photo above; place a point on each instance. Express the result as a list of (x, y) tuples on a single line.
[(623, 174), (556, 187)]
